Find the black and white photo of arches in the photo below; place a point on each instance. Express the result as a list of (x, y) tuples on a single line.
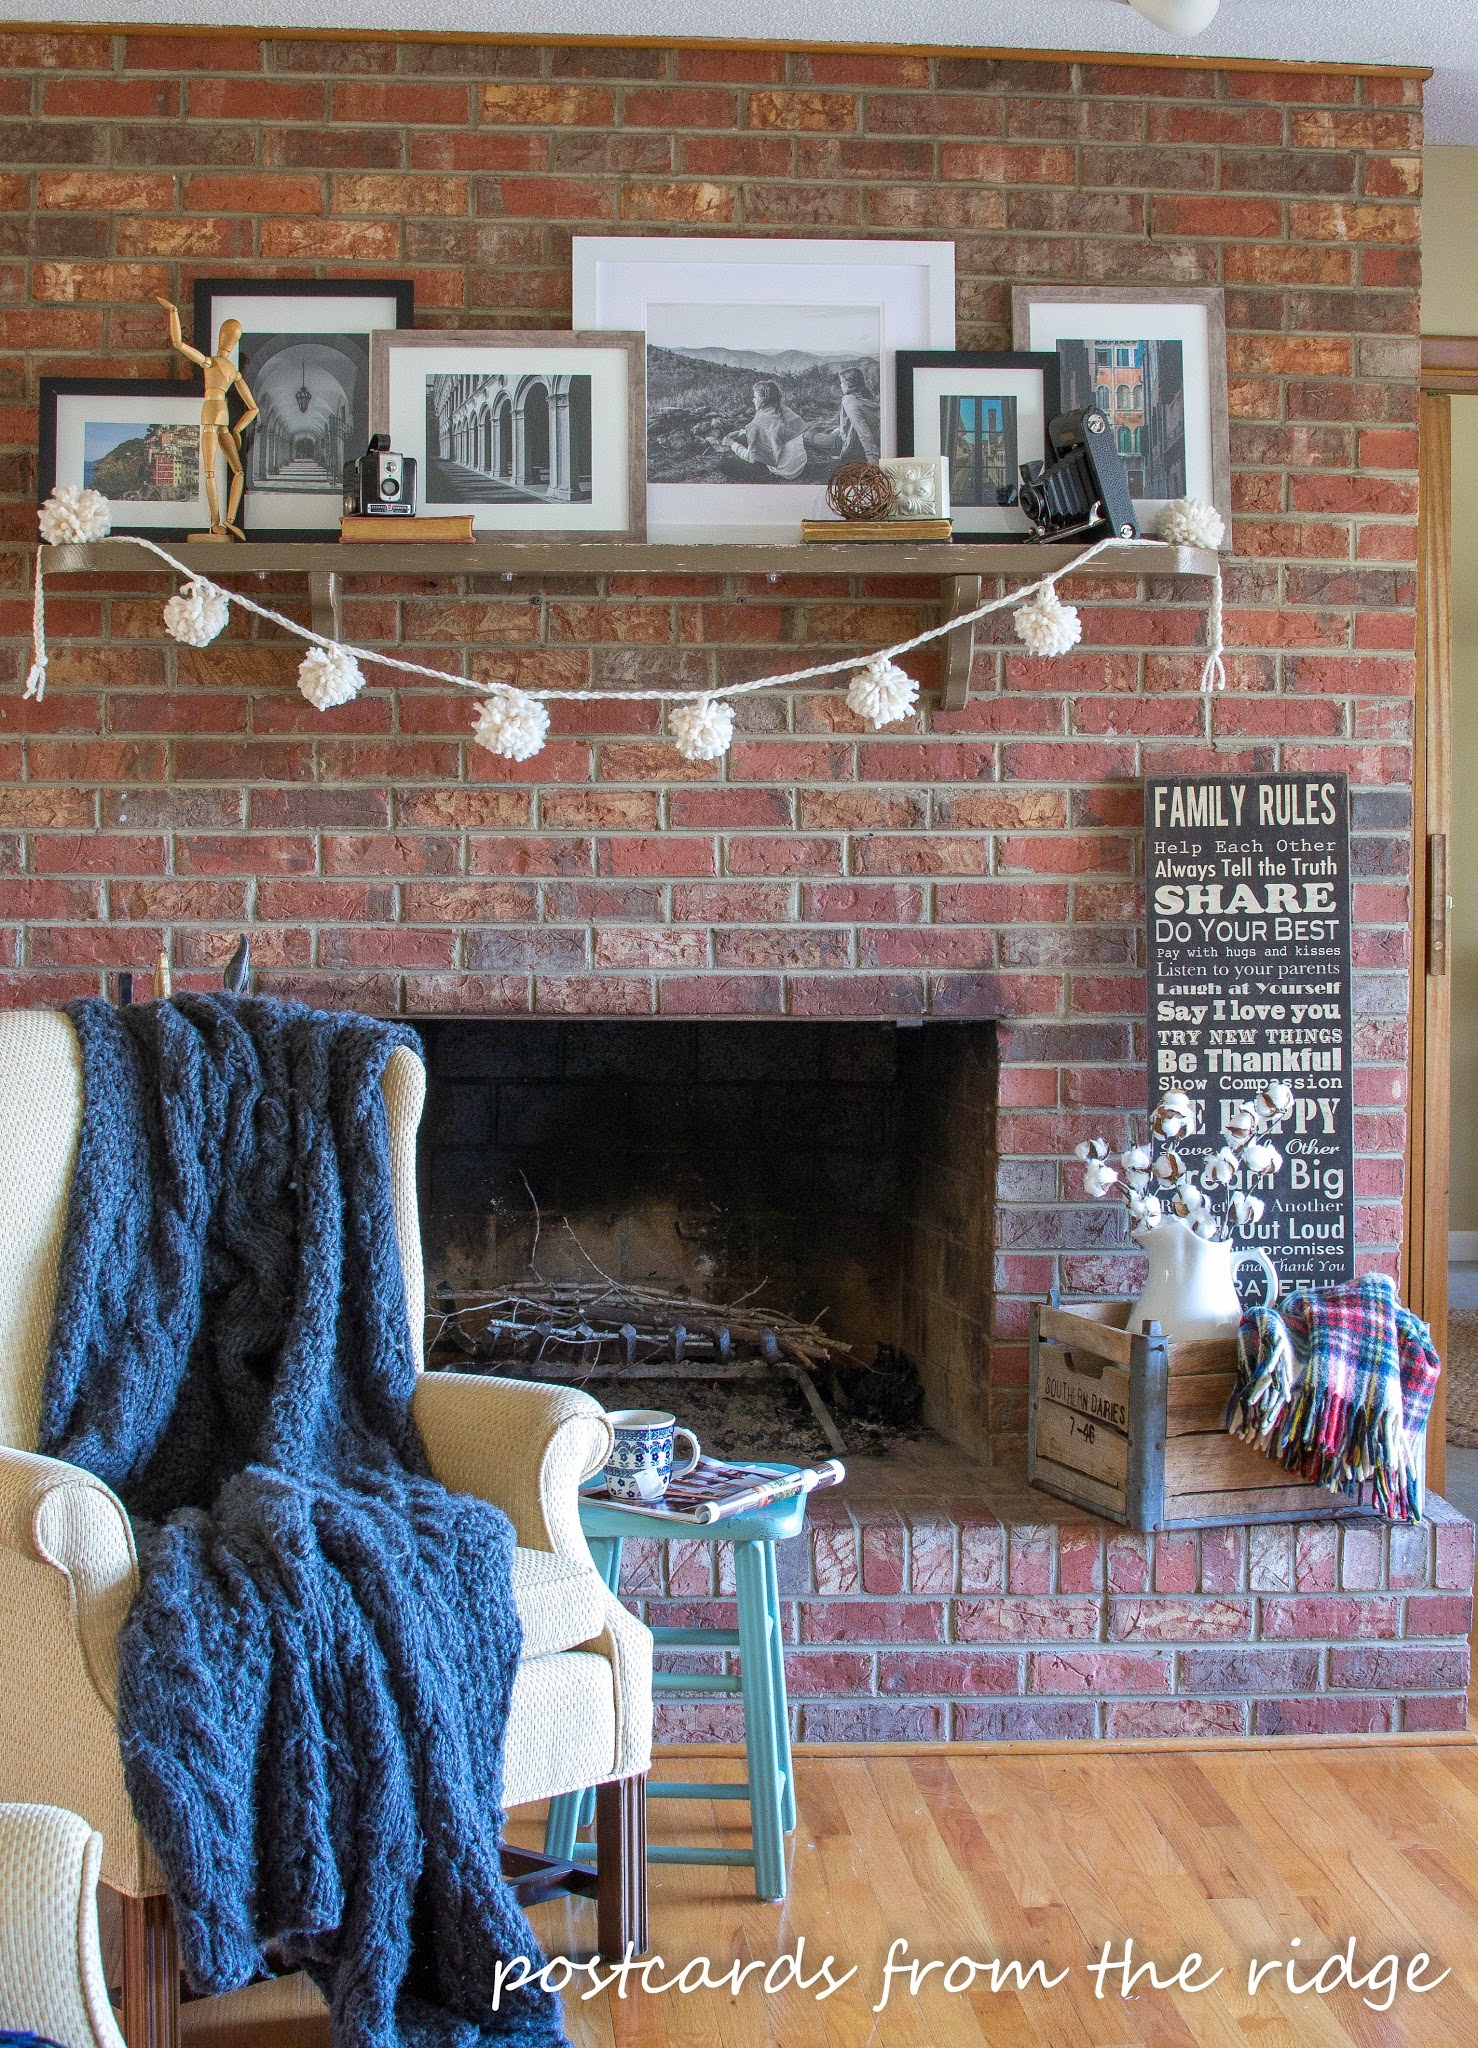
[(313, 390), (499, 438)]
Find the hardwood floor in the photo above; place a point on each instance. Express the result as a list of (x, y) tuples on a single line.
[(1232, 1854)]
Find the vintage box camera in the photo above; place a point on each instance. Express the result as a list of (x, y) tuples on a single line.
[(380, 483), (1082, 493)]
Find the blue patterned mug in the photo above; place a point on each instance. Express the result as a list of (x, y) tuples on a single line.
[(640, 1463)]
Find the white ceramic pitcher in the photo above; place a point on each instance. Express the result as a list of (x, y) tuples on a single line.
[(1191, 1290)]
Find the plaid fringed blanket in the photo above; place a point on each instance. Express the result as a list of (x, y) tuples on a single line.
[(1335, 1384)]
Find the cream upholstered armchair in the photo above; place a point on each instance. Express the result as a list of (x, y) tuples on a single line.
[(52, 1981), (581, 1711)]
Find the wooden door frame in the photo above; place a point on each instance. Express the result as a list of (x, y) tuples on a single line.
[(1449, 365)]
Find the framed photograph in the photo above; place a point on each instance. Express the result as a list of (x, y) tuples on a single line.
[(1155, 360), (536, 434), (305, 355), (985, 412), (768, 364), (137, 440)]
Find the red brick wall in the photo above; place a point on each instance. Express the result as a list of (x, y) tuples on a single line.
[(983, 863)]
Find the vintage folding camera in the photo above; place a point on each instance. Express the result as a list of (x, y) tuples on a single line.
[(1082, 493), (380, 483)]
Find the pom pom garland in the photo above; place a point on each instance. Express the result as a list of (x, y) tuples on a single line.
[(72, 513), (328, 676), (882, 692), (1192, 523), (1045, 625), (515, 723), (197, 614), (511, 724), (702, 731)]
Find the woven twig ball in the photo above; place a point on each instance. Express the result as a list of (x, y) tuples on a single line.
[(860, 490)]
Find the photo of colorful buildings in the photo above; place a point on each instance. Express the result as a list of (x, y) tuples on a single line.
[(1140, 385), (137, 464)]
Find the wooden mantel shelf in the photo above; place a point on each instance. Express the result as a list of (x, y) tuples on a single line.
[(960, 566), (1026, 559)]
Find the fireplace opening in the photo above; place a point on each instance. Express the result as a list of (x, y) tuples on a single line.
[(780, 1231)]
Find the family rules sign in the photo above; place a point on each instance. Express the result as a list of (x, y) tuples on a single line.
[(1248, 888)]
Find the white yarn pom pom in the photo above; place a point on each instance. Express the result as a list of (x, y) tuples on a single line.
[(1192, 523), (882, 692), (328, 676), (512, 725), (1046, 625), (197, 614), (702, 731), (71, 513)]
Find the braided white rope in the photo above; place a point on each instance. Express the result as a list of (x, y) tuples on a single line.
[(1213, 674), (36, 674)]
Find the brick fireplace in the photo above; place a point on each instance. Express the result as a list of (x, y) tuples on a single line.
[(847, 1169), (979, 869)]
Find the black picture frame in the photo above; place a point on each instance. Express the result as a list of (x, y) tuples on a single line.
[(1017, 361), (189, 390), (324, 523)]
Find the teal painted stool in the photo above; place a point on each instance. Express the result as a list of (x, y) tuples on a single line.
[(769, 1785)]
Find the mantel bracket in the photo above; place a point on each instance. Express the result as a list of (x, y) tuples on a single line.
[(960, 594), (325, 604)]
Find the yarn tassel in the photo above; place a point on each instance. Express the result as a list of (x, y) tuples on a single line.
[(1264, 1388), (36, 675)]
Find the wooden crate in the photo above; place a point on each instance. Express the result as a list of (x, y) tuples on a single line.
[(1132, 1426)]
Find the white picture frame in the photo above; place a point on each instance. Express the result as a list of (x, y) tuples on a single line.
[(1189, 457), (723, 317), (537, 434)]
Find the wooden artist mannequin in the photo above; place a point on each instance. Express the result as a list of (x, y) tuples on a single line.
[(216, 431)]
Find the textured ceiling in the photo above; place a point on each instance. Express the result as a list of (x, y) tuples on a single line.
[(1440, 33)]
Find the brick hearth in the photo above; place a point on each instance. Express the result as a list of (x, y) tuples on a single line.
[(1001, 1615)]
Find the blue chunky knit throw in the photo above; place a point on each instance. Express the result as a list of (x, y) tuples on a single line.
[(314, 1677)]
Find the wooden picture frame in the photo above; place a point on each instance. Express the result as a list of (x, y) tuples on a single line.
[(1027, 382), (148, 403), (1141, 316), (304, 354), (514, 448)]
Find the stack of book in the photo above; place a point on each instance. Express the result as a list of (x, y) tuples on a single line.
[(876, 529), (363, 526)]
